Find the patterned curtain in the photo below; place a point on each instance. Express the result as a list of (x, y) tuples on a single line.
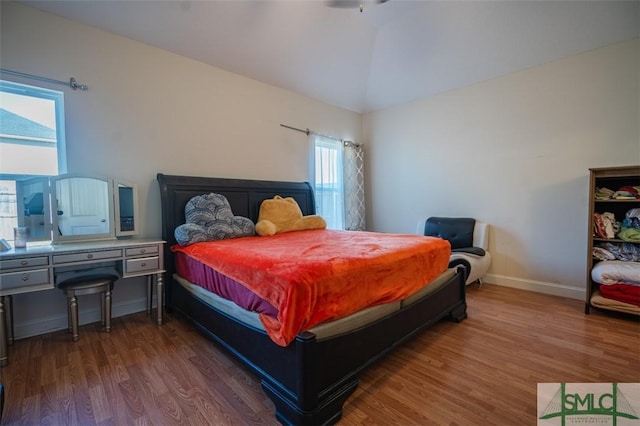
[(353, 163)]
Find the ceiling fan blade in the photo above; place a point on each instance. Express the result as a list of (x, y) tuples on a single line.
[(344, 4), (351, 4)]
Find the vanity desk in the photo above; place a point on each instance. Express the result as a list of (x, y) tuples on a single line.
[(75, 225), (38, 268)]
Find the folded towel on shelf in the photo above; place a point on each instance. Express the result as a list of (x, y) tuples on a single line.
[(622, 293), (632, 219), (631, 235), (603, 193), (627, 252), (599, 301), (605, 225)]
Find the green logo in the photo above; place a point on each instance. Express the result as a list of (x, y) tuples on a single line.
[(586, 403)]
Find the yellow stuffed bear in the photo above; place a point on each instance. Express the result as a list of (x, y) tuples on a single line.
[(284, 215)]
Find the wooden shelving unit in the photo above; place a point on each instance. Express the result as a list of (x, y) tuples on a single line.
[(612, 178)]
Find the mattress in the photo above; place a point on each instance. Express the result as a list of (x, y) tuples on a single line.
[(198, 273), (323, 330), (313, 276)]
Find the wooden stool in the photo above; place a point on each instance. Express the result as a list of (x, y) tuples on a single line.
[(88, 284)]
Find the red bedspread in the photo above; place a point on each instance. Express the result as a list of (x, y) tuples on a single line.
[(318, 275)]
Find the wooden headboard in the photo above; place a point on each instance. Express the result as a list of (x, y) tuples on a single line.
[(245, 197)]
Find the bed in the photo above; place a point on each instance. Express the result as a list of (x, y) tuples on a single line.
[(309, 379)]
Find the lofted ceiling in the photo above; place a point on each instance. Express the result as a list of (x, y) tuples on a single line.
[(389, 54)]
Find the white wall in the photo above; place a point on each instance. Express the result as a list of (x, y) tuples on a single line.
[(514, 152), (148, 111)]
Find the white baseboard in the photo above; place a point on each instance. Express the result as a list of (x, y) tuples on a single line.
[(42, 325), (537, 286)]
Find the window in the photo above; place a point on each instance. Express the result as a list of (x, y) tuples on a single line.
[(328, 182), (31, 144), (338, 177)]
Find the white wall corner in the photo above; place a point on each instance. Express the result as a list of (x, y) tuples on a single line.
[(544, 287)]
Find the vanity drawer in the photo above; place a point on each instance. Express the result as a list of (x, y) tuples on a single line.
[(139, 251), (83, 257), (21, 279), (142, 264), (24, 263)]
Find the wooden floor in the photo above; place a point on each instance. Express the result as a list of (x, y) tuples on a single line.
[(482, 371)]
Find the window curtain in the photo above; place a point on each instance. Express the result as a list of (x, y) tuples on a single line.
[(354, 187), (338, 176)]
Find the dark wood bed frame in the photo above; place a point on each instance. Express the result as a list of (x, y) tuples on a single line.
[(309, 380)]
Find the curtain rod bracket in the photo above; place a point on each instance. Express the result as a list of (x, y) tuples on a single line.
[(75, 86)]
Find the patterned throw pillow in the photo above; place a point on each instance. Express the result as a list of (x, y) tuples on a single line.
[(209, 218)]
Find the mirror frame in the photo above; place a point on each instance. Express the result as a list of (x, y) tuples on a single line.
[(57, 239), (116, 202)]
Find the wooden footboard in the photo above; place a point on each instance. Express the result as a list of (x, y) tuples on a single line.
[(310, 379)]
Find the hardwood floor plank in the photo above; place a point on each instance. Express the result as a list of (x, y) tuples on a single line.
[(52, 408), (134, 406), (74, 367), (207, 404), (33, 375), (83, 405), (28, 410), (170, 411), (482, 371), (121, 414), (198, 419), (101, 407)]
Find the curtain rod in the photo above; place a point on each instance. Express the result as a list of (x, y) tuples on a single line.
[(71, 83), (307, 132)]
